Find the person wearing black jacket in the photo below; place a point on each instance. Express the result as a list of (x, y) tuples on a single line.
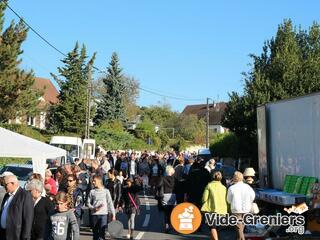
[(197, 180), (167, 194), (43, 207), (156, 171), (114, 187), (130, 203), (16, 211)]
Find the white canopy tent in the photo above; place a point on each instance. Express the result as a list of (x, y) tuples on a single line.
[(16, 145)]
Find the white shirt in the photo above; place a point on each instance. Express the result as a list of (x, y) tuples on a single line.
[(6, 208), (132, 167), (240, 196), (36, 202), (106, 166)]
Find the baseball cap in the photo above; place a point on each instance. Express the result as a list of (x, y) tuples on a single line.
[(6, 173)]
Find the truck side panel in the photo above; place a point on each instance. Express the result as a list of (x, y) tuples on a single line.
[(294, 138)]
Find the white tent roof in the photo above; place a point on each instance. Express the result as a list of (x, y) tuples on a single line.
[(16, 145)]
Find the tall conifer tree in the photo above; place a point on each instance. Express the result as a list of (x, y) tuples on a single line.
[(110, 106), (17, 98), (70, 113)]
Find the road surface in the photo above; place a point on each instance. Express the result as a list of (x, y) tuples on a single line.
[(149, 224)]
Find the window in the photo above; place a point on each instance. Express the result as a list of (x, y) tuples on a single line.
[(30, 121)]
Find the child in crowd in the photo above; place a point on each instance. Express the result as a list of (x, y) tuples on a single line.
[(63, 223), (100, 203)]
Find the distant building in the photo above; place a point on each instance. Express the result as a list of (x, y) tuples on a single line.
[(49, 97), (216, 112)]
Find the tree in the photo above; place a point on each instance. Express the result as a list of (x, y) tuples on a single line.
[(17, 98), (146, 131), (70, 112), (130, 95), (287, 67), (191, 128), (111, 105), (161, 115)]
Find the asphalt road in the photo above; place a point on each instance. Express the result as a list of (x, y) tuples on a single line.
[(149, 224)]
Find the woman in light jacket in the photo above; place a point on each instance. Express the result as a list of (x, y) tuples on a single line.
[(214, 200)]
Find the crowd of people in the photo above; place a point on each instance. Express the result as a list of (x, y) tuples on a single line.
[(51, 207)]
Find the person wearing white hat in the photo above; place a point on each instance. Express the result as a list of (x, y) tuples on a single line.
[(248, 175)]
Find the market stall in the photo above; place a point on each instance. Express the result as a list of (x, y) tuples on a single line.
[(15, 145)]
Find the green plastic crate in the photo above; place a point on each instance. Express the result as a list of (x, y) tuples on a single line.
[(290, 182)]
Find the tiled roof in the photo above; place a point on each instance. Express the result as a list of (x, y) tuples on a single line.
[(50, 93), (216, 111)]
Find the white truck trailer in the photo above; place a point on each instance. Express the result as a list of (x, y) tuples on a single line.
[(289, 139)]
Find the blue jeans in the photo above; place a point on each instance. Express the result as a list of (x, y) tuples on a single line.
[(99, 225)]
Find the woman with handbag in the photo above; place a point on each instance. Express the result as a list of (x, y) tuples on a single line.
[(130, 202), (214, 200)]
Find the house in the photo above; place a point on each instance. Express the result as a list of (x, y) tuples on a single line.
[(49, 97), (216, 112)]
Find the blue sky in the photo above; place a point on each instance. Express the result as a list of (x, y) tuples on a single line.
[(188, 49)]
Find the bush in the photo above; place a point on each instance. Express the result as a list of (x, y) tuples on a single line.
[(225, 145), (111, 135), (27, 131), (4, 160)]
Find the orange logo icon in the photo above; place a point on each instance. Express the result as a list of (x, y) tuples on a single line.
[(185, 218)]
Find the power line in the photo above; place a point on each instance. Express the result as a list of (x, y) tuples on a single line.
[(96, 68), (158, 94), (33, 30)]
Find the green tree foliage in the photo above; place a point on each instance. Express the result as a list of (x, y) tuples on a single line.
[(28, 131), (70, 113), (287, 67), (112, 136), (111, 105), (179, 144), (190, 128), (17, 98), (161, 115), (146, 131), (130, 95)]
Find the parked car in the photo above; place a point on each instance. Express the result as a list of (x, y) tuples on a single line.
[(205, 154), (22, 171)]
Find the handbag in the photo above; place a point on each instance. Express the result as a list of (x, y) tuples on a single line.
[(254, 208)]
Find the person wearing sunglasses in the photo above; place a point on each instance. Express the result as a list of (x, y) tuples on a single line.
[(75, 194)]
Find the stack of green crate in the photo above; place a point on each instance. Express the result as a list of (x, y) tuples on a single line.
[(298, 184), (290, 182), (307, 185)]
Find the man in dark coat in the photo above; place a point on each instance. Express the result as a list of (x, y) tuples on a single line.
[(16, 211), (197, 180)]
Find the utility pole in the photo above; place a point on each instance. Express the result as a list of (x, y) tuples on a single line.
[(88, 106), (207, 124)]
